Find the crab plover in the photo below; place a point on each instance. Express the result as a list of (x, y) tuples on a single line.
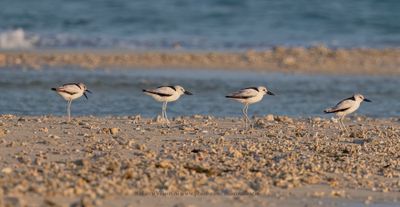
[(166, 94), (71, 91), (346, 106), (249, 96)]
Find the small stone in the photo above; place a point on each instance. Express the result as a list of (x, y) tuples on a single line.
[(269, 117), (164, 164), (54, 136), (184, 205), (13, 202), (317, 119), (235, 153), (44, 129), (130, 143), (51, 203), (321, 49), (85, 201), (6, 170), (186, 128), (338, 193), (21, 119), (258, 174), (140, 146), (114, 130), (221, 140), (197, 116), (82, 162), (3, 132), (83, 124), (284, 119)]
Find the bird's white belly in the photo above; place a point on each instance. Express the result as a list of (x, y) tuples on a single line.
[(158, 98), (69, 97), (250, 100), (349, 111)]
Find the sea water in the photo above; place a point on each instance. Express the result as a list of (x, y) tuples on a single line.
[(119, 92)]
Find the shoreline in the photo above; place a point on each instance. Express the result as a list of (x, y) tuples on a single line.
[(283, 160), (301, 60)]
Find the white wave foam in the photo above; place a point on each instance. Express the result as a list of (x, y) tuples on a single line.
[(17, 39)]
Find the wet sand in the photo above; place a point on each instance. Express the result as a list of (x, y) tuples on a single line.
[(314, 60), (134, 161)]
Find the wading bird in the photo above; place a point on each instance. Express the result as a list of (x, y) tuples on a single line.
[(345, 107), (166, 94), (70, 92), (249, 96)]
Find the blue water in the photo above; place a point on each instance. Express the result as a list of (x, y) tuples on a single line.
[(198, 24), (119, 92)]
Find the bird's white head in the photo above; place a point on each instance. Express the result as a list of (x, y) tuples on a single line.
[(182, 91), (360, 98), (265, 90), (85, 89), (82, 86)]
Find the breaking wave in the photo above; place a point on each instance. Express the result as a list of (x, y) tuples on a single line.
[(17, 39)]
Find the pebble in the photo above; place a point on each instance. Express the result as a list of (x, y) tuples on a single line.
[(3, 132), (220, 161), (338, 193), (114, 131), (54, 136), (140, 147), (44, 129), (14, 202), (284, 119), (269, 118), (7, 170), (235, 153), (164, 164), (48, 202)]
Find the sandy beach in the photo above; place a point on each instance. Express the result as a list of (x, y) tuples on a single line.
[(198, 160), (301, 60)]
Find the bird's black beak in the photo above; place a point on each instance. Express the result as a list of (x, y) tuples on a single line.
[(88, 91), (188, 93), (85, 95), (367, 100), (270, 93)]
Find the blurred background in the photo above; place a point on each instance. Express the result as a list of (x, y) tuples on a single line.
[(198, 25)]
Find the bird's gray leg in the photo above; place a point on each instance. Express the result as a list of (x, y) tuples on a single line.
[(165, 112), (341, 124), (341, 120), (246, 118), (69, 110), (162, 110)]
